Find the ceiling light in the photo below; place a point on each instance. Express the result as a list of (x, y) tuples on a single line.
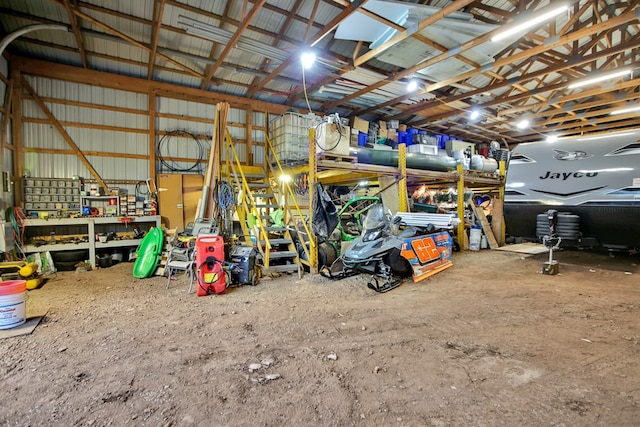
[(625, 110), (222, 36), (530, 22), (308, 59), (522, 124), (412, 86), (600, 78), (552, 138), (474, 114)]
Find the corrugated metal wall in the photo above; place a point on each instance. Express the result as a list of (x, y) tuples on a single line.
[(116, 143)]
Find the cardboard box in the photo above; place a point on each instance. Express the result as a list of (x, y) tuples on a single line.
[(392, 134), (330, 140), (360, 124), (382, 129), (402, 128)]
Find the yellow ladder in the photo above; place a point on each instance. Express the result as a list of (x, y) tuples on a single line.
[(258, 197)]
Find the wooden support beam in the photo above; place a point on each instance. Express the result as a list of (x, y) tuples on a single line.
[(486, 227), (64, 133), (76, 32), (152, 135), (101, 79), (16, 130), (5, 118)]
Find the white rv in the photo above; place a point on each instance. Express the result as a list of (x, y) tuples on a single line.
[(592, 181)]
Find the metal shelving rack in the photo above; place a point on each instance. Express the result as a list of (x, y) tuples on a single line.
[(88, 225)]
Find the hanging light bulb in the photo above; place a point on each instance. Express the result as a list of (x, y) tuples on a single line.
[(412, 86), (308, 59)]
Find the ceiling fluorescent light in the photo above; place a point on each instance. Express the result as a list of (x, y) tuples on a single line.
[(534, 20), (600, 78), (222, 36), (625, 110)]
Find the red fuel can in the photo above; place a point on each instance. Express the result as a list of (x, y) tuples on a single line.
[(210, 273)]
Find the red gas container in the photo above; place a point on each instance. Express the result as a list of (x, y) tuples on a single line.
[(210, 274)]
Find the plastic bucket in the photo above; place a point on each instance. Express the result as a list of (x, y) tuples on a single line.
[(13, 298), (474, 238)]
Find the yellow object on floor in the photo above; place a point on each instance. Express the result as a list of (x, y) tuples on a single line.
[(29, 269), (34, 283)]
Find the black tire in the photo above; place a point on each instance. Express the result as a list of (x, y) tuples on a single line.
[(65, 265), (75, 255), (326, 254)]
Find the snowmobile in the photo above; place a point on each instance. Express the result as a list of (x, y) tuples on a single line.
[(377, 252)]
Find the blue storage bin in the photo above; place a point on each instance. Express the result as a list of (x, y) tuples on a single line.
[(362, 139), (402, 137)]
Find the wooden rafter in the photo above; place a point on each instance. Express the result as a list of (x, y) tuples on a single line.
[(130, 40), (75, 27), (158, 11)]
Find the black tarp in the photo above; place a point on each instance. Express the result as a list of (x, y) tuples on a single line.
[(325, 214)]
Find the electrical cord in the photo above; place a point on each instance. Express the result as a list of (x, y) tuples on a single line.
[(139, 192), (173, 166), (304, 88), (318, 133), (18, 224)]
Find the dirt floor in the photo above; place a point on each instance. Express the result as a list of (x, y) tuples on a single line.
[(490, 341)]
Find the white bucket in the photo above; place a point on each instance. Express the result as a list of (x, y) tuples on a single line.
[(474, 238), (13, 297)]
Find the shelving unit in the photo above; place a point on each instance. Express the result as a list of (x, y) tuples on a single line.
[(51, 196), (88, 226), (104, 202), (346, 170)]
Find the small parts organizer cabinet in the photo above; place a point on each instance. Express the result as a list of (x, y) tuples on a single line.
[(43, 197), (104, 205), (88, 227)]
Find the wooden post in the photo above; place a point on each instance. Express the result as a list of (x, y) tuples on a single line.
[(152, 135), (497, 220), (16, 134)]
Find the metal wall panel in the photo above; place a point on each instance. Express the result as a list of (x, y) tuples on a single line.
[(91, 129)]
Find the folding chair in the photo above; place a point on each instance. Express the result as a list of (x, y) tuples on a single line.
[(181, 258)]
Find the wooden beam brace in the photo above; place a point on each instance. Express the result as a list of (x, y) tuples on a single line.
[(158, 11), (131, 40), (76, 32), (63, 132)]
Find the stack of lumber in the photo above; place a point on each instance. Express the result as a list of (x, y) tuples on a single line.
[(422, 219)]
